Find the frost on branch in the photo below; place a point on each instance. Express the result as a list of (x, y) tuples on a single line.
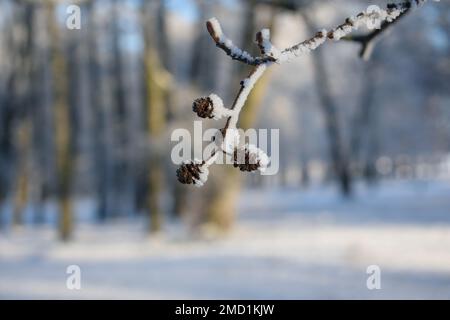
[(266, 47), (370, 18), (250, 158), (215, 30), (236, 53), (271, 54), (383, 20), (304, 47)]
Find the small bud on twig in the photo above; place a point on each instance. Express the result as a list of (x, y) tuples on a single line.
[(265, 46)]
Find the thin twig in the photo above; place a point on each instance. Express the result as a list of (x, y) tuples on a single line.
[(368, 40)]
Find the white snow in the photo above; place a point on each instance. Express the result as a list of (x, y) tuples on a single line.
[(231, 141), (248, 85), (216, 100), (219, 110), (216, 27), (235, 52), (268, 48), (339, 33), (288, 243), (203, 177), (303, 48), (265, 33)]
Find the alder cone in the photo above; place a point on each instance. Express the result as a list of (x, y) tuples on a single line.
[(188, 173), (203, 107)]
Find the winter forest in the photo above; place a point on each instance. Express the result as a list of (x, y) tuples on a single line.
[(87, 178)]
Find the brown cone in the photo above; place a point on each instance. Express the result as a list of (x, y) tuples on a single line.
[(203, 107), (188, 173)]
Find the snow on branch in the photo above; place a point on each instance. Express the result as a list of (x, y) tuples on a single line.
[(224, 43), (249, 157), (393, 10)]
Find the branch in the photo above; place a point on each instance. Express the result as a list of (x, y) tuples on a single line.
[(249, 157), (224, 43), (368, 41), (383, 17)]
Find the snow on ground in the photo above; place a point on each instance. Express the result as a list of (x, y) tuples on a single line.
[(288, 244)]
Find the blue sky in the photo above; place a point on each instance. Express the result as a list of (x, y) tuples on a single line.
[(187, 8)]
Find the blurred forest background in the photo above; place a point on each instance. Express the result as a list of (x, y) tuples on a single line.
[(86, 115), (89, 112)]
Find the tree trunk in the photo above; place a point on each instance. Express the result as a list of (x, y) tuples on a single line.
[(364, 125), (121, 168), (23, 174), (157, 82), (22, 105), (64, 145)]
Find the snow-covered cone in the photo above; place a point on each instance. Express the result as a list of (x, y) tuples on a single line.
[(193, 172), (210, 107), (250, 158), (230, 142)]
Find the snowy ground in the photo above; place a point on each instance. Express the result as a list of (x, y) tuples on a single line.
[(288, 244)]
